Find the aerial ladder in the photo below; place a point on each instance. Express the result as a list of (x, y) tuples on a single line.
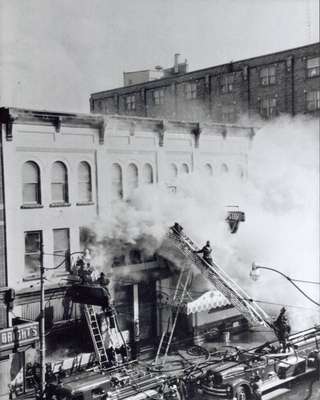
[(217, 277)]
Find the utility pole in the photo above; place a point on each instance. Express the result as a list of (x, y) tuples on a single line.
[(42, 330)]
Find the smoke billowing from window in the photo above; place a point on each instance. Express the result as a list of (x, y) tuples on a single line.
[(280, 198)]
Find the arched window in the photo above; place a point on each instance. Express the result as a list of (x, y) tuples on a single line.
[(84, 182), (132, 177), (224, 169), (59, 183), (208, 170), (147, 174), (173, 171), (184, 168), (31, 183), (117, 191)]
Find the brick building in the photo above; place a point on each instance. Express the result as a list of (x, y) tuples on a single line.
[(284, 82), (61, 171)]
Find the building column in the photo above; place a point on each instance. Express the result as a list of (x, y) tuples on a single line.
[(136, 325)]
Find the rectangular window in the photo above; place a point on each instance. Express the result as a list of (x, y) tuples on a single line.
[(313, 67), (191, 90), (158, 97), (131, 103), (32, 253), (226, 84), (228, 114), (61, 247), (313, 100), (268, 76), (268, 107)]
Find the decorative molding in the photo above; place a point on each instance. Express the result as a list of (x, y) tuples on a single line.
[(53, 150)]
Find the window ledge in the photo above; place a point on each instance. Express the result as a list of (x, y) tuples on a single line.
[(29, 206), (52, 205), (85, 203)]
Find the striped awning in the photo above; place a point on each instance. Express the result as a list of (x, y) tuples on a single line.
[(209, 300)]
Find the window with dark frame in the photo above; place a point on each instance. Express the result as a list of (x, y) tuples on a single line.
[(228, 114), (313, 100), (32, 252), (268, 76), (226, 83), (61, 248), (59, 183), (158, 97), (84, 182), (31, 183), (191, 90), (268, 107), (313, 67), (130, 102)]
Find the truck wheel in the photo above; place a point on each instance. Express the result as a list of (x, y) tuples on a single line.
[(242, 393)]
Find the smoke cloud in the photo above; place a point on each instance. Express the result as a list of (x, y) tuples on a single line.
[(281, 202)]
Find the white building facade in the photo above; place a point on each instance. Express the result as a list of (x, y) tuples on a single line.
[(62, 171)]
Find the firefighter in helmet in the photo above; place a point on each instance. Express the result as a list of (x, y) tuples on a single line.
[(282, 329), (206, 251)]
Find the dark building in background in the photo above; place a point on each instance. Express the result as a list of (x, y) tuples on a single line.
[(286, 82)]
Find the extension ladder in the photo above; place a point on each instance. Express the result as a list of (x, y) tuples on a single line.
[(96, 336), (178, 303)]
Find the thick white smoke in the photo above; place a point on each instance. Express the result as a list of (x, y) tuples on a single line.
[(281, 202)]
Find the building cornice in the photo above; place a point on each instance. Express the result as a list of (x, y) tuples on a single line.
[(10, 116)]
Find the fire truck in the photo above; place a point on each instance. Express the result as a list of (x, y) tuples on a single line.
[(240, 375)]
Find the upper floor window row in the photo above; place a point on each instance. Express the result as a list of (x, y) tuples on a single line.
[(31, 181), (191, 90), (130, 103), (226, 84), (268, 76), (158, 97), (132, 179), (313, 67)]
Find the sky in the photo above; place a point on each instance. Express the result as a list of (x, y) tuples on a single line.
[(54, 53)]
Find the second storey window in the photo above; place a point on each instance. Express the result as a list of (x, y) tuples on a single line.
[(191, 91), (226, 84), (158, 97), (31, 183), (268, 107), (84, 183), (130, 103), (61, 247), (313, 67), (313, 100), (268, 76), (59, 183), (32, 253)]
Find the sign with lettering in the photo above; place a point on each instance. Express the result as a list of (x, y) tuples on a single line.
[(19, 335)]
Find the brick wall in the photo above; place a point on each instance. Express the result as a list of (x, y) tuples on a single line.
[(289, 90)]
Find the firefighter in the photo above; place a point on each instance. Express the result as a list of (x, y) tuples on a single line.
[(282, 329), (206, 251), (256, 384)]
